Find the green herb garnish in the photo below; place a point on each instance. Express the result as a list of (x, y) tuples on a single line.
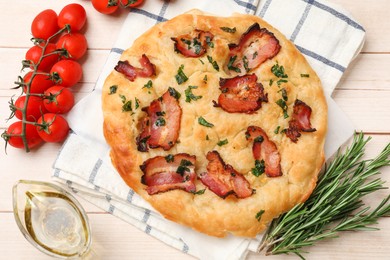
[(180, 76), (259, 168), (169, 158), (284, 94), (278, 71), (199, 192), (230, 64), (305, 75), (160, 121), (189, 95), (228, 30), (113, 89), (203, 122), (148, 85), (174, 93), (276, 131), (183, 167), (245, 62), (213, 62), (223, 142), (136, 103), (283, 106), (259, 214)]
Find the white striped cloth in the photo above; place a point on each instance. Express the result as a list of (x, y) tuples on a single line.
[(327, 35)]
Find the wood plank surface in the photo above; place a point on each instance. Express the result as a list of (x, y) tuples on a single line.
[(363, 94)]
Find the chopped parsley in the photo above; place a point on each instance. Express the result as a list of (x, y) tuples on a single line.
[(207, 137), (284, 94), (231, 62), (245, 61), (258, 139), (276, 131), (283, 106), (228, 30), (205, 79), (127, 104), (213, 62), (180, 76), (305, 76), (174, 93), (199, 192), (148, 85), (259, 168), (203, 122), (136, 103), (113, 89), (169, 158), (209, 42), (254, 55), (223, 142), (278, 71), (259, 214), (142, 144), (201, 61), (189, 95), (160, 121), (280, 81), (183, 167), (271, 81)]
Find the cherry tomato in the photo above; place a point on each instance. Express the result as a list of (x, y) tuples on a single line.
[(52, 128), (35, 108), (66, 73), (32, 136), (74, 43), (74, 15), (39, 84), (58, 100), (44, 24), (35, 53), (131, 3), (105, 6)]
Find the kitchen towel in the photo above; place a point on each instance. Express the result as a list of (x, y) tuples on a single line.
[(326, 34)]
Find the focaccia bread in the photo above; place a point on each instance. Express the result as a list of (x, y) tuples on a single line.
[(218, 122)]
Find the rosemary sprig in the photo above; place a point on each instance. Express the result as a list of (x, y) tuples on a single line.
[(333, 204)]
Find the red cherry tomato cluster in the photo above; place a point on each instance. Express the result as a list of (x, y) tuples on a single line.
[(111, 6), (54, 68)]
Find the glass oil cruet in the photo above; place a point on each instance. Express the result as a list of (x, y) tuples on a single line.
[(51, 219)]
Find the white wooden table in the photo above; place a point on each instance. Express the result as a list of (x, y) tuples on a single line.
[(363, 93)]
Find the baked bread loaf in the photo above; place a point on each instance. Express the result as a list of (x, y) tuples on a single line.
[(218, 122)]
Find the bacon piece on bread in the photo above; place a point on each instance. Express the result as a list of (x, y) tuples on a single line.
[(241, 94), (300, 121), (264, 150), (131, 72), (193, 45), (255, 47), (223, 179), (160, 128), (171, 172)]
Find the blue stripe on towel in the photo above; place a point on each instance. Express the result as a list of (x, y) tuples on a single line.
[(130, 196), (302, 20), (117, 50), (111, 209), (321, 58), (164, 7), (146, 216), (148, 229), (248, 5), (148, 14), (337, 14), (265, 8), (95, 170)]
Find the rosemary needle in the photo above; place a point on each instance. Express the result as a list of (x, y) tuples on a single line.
[(335, 205)]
